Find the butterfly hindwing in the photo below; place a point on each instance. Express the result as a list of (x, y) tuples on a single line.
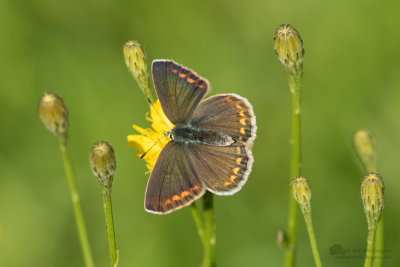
[(227, 113), (178, 88), (173, 182), (224, 169)]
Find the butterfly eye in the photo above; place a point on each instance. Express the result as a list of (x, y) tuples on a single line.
[(169, 134)]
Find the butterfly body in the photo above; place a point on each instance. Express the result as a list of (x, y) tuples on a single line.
[(211, 140), (187, 134)]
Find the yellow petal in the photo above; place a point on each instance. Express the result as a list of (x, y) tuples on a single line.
[(160, 122), (139, 142), (151, 141)]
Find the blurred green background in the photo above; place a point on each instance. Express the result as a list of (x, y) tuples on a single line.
[(74, 49)]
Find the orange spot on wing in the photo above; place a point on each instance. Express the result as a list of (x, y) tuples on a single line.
[(238, 151), (182, 75), (239, 106), (238, 161), (240, 138), (174, 70), (233, 178), (194, 188), (176, 198), (242, 131), (242, 121), (189, 80), (227, 183), (168, 201), (241, 113), (236, 170), (185, 194)]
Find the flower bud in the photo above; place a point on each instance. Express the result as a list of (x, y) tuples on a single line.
[(288, 47), (364, 144), (302, 193), (136, 62), (54, 114), (373, 197), (102, 161)]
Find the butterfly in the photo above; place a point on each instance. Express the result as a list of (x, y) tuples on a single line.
[(211, 140)]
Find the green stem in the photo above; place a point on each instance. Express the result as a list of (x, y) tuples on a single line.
[(379, 244), (370, 166), (77, 206), (295, 168), (313, 241), (209, 231), (198, 221), (370, 247), (109, 225)]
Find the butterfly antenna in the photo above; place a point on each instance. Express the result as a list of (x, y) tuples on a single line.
[(144, 154)]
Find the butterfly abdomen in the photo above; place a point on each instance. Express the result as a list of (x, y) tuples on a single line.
[(183, 133)]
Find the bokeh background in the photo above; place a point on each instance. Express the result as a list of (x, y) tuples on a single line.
[(74, 49)]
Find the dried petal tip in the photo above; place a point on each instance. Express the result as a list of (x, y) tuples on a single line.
[(373, 197), (54, 114), (136, 62), (288, 47), (102, 161), (302, 193), (364, 144)]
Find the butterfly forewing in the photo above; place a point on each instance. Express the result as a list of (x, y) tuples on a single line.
[(178, 89), (173, 182), (227, 113), (224, 169)]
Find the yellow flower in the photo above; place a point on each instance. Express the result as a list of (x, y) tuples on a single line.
[(148, 137)]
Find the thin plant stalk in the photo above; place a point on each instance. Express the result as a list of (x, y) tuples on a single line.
[(313, 241), (110, 225), (295, 167), (379, 244), (209, 230), (206, 228), (301, 190), (198, 220), (103, 164), (87, 255), (370, 247)]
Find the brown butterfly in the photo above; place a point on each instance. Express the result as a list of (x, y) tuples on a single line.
[(211, 141)]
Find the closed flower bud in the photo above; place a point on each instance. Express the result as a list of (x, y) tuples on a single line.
[(364, 144), (102, 161), (302, 193), (136, 62), (288, 47), (373, 197), (54, 114)]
